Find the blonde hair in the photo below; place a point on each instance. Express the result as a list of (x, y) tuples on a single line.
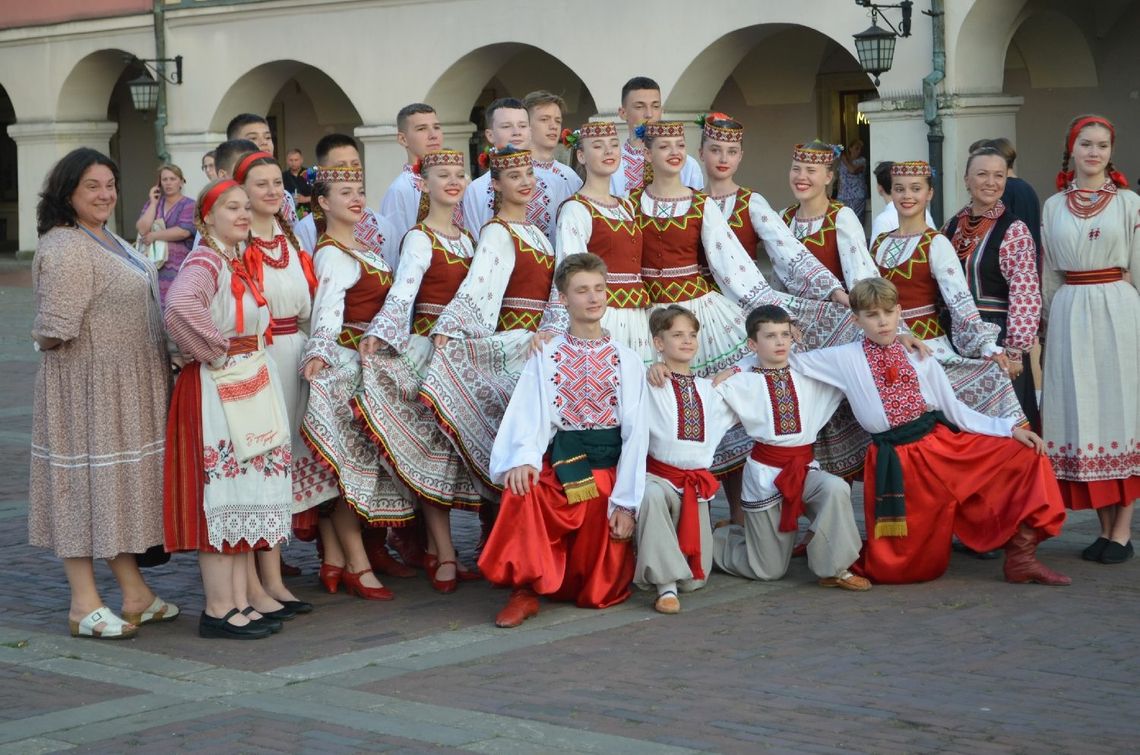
[(873, 293), (173, 169), (662, 319)]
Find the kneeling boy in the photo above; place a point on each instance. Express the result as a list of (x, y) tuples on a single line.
[(925, 479), (570, 452), (783, 411)]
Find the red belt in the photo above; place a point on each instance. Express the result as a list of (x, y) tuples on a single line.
[(242, 345), (285, 326), (1093, 277), (793, 464), (694, 485)]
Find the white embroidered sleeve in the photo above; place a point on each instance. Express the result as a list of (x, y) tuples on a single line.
[(474, 312), (972, 336), (801, 272), (572, 237), (393, 323), (939, 394), (732, 267), (527, 427), (336, 273), (629, 485), (853, 255)]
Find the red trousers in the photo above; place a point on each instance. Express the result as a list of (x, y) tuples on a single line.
[(977, 487), (557, 548)]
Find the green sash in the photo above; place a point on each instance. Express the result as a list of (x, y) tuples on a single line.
[(574, 453), (890, 500)]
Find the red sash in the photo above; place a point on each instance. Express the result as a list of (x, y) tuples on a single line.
[(793, 463), (695, 484), (1093, 277)]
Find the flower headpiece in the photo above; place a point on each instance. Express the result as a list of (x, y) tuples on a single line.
[(437, 157), (311, 174), (718, 127), (657, 129), (910, 168), (588, 130), (827, 155), (339, 174), (569, 138)]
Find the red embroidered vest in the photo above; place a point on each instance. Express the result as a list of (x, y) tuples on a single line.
[(440, 282), (740, 221), (919, 295), (619, 243), (674, 266), (824, 243), (528, 290), (364, 299)]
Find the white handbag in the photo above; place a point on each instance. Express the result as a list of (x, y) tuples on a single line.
[(252, 408), (155, 251)]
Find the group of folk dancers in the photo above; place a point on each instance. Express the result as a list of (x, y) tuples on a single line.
[(407, 367)]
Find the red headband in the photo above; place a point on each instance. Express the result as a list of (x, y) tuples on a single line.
[(212, 195), (247, 162), (1065, 177)]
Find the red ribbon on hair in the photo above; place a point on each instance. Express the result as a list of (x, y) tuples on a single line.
[(1065, 177), (220, 188), (246, 163)]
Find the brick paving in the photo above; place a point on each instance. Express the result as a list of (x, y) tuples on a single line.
[(964, 664)]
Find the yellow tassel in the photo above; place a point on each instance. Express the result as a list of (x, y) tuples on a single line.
[(890, 528), (579, 492)]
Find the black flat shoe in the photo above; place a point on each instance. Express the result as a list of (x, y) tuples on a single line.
[(281, 614), (1115, 553), (1094, 551), (298, 606), (213, 628), (273, 625)]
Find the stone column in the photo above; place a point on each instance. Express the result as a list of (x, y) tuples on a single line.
[(39, 145), (186, 150), (383, 158)]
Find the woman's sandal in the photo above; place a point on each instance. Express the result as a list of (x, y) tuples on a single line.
[(158, 611), (115, 629)]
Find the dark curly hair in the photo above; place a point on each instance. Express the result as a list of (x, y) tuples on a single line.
[(54, 208)]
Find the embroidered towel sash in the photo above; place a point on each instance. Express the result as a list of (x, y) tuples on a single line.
[(252, 409)]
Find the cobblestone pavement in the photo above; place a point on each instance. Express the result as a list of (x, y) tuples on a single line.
[(966, 664)]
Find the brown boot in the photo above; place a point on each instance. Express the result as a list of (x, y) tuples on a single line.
[(1021, 564)]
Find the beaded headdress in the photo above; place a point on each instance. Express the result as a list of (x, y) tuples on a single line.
[(912, 168), (338, 175), (719, 127), (439, 157), (656, 129), (519, 158), (816, 155)]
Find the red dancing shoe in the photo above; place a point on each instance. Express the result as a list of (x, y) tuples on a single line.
[(445, 586), (1021, 564), (408, 547), (330, 577), (354, 586), (381, 561), (522, 605)]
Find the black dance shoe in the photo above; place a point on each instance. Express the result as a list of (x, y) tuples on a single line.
[(1115, 553), (213, 628), (1094, 551)]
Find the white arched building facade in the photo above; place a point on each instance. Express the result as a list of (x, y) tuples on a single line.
[(1019, 68)]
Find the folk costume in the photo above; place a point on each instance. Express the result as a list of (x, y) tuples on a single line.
[(554, 183), (611, 232), (412, 446), (100, 396), (285, 275), (784, 411), (687, 419), (929, 278), (576, 415), (835, 238), (351, 289), (999, 260), (937, 468), (373, 232), (491, 321), (1091, 402), (636, 173), (229, 460)]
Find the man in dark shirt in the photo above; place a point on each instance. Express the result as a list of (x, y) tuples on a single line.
[(295, 183)]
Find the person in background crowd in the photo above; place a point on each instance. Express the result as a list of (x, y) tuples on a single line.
[(255, 128), (208, 166), (641, 104), (295, 181), (176, 210), (99, 401), (1090, 412), (418, 131), (853, 179)]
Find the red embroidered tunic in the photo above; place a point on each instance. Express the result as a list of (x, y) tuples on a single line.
[(525, 296), (824, 243), (740, 221), (586, 383), (619, 243), (673, 261), (363, 300), (785, 402), (919, 294), (896, 381), (439, 284)]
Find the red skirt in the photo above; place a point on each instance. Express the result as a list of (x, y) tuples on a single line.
[(184, 478), (1098, 494), (557, 548), (977, 487)]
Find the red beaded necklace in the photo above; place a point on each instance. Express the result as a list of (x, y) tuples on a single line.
[(1084, 203), (278, 242)]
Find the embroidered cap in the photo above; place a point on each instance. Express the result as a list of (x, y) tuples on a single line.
[(596, 129), (440, 157), (655, 129), (519, 158), (338, 175), (816, 155), (912, 168), (721, 128)]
